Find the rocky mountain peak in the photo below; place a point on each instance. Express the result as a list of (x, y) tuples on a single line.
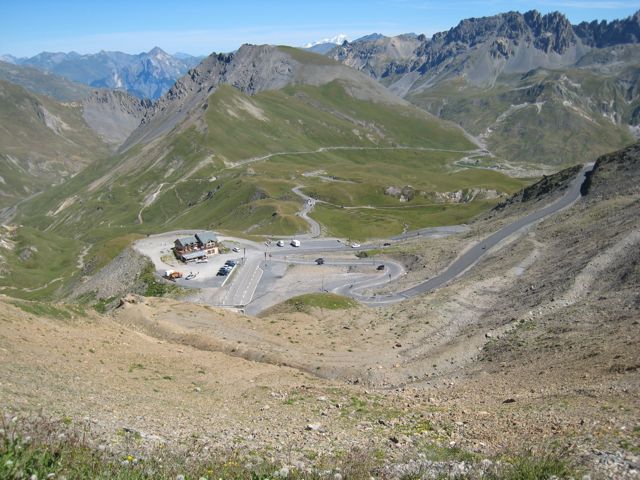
[(605, 34), (550, 32), (157, 51)]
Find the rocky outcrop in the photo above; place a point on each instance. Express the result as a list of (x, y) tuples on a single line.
[(606, 34), (378, 56), (113, 115), (480, 49), (549, 187), (616, 173)]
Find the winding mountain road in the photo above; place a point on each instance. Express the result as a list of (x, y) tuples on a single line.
[(474, 254), (309, 203), (250, 286)]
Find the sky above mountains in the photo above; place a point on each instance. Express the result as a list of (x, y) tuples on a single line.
[(196, 27)]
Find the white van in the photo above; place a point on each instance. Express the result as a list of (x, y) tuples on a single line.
[(295, 243)]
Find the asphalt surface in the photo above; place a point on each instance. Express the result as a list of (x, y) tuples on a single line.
[(309, 203), (246, 286), (474, 254)]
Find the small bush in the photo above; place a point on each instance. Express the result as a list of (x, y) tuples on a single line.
[(529, 467)]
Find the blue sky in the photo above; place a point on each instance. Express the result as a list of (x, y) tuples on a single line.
[(201, 27)]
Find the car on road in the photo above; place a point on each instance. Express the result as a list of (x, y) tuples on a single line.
[(355, 245), (280, 243), (380, 267), (386, 244), (320, 261), (235, 249), (295, 243)]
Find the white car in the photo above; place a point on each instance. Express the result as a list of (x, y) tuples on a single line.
[(236, 249), (355, 245), (280, 243)]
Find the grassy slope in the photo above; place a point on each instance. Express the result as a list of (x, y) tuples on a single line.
[(44, 83), (558, 133), (199, 187), (33, 155)]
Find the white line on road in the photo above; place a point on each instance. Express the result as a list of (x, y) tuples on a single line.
[(252, 286)]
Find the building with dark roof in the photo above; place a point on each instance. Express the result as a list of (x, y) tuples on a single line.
[(196, 246)]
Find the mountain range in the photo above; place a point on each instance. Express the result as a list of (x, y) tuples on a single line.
[(526, 85), (440, 118), (145, 75), (522, 361)]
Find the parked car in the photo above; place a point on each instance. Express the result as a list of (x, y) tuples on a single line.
[(222, 272), (320, 261), (355, 245), (235, 249), (231, 263), (380, 267)]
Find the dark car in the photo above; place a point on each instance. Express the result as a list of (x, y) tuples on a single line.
[(231, 263), (380, 267), (386, 244), (222, 272), (319, 261)]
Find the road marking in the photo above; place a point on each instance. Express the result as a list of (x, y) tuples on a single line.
[(259, 272)]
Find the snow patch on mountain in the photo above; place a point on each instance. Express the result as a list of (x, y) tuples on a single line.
[(337, 40)]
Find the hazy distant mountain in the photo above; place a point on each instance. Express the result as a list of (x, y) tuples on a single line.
[(8, 58), (146, 75), (43, 82)]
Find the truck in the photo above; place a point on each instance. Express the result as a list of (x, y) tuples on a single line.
[(295, 243), (172, 275)]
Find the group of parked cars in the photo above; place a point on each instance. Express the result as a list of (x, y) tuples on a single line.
[(226, 269)]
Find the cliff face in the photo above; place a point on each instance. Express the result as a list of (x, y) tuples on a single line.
[(483, 48), (113, 115), (606, 34)]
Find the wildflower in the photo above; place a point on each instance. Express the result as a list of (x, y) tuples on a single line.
[(130, 457)]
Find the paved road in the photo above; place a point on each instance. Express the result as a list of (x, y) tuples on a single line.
[(309, 203), (244, 283), (473, 255), (249, 277)]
